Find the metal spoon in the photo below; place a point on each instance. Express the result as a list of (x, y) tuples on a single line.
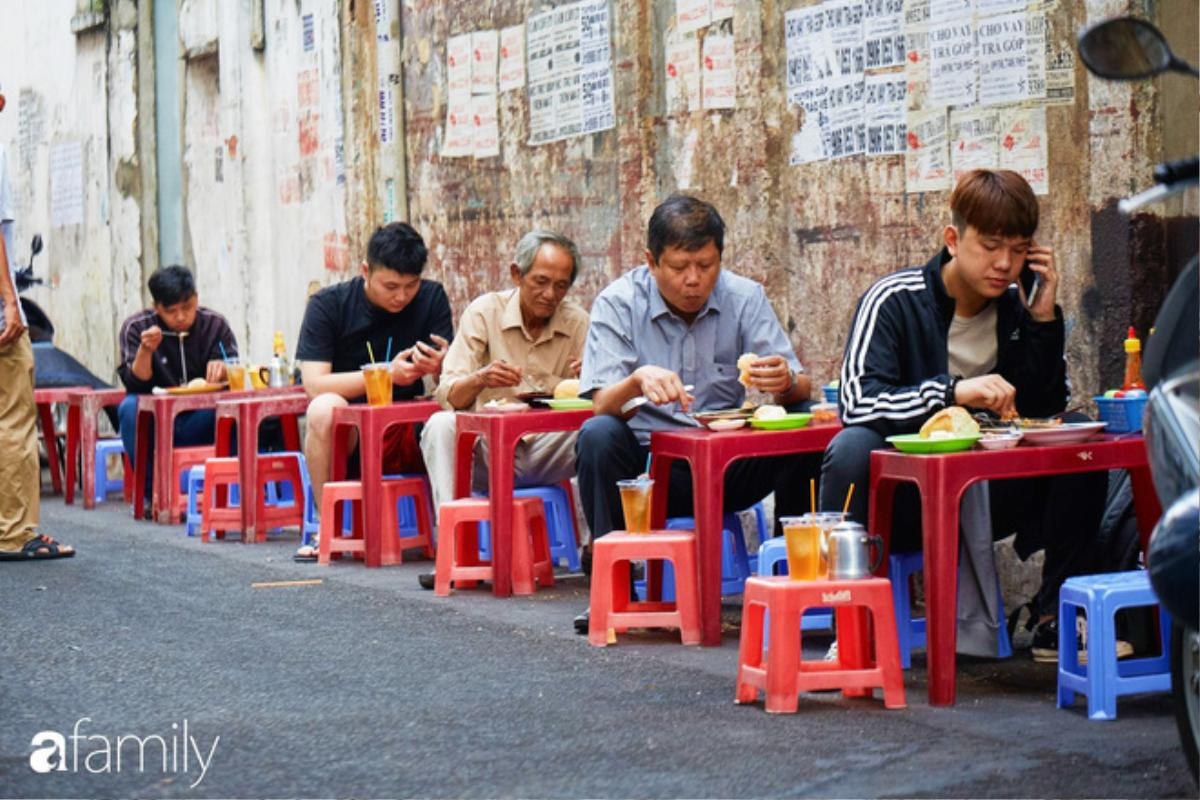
[(641, 400)]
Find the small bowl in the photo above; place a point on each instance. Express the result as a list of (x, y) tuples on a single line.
[(999, 441), (726, 424)]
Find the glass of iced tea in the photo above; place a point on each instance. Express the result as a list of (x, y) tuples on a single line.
[(237, 377), (803, 538), (378, 378), (635, 502)]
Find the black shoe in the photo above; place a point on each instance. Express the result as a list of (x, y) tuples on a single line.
[(426, 580), (582, 622), (585, 560), (1045, 642)]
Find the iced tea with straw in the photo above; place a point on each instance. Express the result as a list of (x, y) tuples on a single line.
[(635, 503), (378, 380)]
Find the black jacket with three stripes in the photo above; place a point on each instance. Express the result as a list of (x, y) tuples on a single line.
[(895, 371)]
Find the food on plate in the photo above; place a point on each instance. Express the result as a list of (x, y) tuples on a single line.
[(1000, 441), (949, 423), (744, 363), (1032, 422), (197, 383), (501, 404), (770, 412), (726, 424), (824, 413), (566, 389)]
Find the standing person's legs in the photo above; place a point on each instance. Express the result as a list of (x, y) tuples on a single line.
[(20, 469)]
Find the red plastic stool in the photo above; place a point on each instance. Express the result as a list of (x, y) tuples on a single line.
[(393, 490), (277, 469), (612, 610), (458, 560), (785, 674), (183, 459), (331, 540), (217, 511)]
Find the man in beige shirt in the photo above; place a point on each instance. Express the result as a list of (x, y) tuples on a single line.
[(524, 339)]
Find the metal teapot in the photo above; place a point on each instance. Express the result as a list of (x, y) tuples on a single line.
[(849, 552)]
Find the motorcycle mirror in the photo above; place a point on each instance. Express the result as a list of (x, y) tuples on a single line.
[(1127, 49), (36, 245)]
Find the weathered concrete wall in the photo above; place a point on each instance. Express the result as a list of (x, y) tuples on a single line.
[(816, 235)]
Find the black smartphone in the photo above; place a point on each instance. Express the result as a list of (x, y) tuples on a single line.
[(1029, 282)]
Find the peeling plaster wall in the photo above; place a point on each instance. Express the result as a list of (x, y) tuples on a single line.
[(816, 235)]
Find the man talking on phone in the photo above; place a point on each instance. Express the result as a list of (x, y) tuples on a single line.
[(962, 330)]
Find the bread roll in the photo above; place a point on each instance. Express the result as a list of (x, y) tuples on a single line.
[(744, 363), (196, 383), (566, 389), (770, 412), (953, 421)]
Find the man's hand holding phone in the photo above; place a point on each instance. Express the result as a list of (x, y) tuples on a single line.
[(1040, 262)]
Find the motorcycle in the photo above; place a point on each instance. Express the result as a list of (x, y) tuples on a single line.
[(1128, 48), (51, 366)]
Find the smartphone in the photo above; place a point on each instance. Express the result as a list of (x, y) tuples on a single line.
[(1029, 281)]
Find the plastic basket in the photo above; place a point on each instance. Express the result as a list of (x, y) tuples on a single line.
[(831, 394), (1123, 414)]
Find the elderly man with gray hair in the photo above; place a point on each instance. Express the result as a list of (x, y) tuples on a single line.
[(515, 341)]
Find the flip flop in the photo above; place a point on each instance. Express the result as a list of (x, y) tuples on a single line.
[(39, 548), (309, 557)]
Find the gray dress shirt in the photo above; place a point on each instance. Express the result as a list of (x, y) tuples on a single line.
[(631, 326)]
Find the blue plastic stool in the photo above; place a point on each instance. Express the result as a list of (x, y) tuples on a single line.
[(104, 449), (772, 560), (560, 525), (1103, 677), (910, 630), (191, 482), (406, 509), (735, 562)]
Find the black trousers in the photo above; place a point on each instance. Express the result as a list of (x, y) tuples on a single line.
[(1059, 514), (608, 451)]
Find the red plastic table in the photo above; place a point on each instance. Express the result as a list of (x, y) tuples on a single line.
[(372, 422), (82, 407), (710, 454), (162, 409), (45, 398), (501, 430), (941, 481), (248, 413)]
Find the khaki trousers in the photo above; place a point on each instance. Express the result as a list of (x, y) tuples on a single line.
[(20, 470), (541, 459)]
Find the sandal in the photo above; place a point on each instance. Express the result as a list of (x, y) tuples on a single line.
[(308, 553), (39, 548)]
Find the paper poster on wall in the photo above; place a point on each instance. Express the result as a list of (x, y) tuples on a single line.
[(844, 26), (885, 114), (458, 64), (1036, 51), (485, 125), (1003, 59), (511, 72), (569, 63), (883, 33), (916, 13), (596, 96), (459, 137), (1060, 76), (945, 10), (387, 112), (974, 140), (843, 122), (691, 15), (721, 9), (719, 72), (809, 55), (484, 47), (927, 157), (916, 67), (951, 63), (988, 8), (683, 73), (66, 184), (1023, 145), (807, 143)]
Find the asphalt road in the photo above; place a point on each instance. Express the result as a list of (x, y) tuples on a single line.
[(367, 686)]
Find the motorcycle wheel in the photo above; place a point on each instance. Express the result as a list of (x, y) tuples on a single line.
[(1185, 689)]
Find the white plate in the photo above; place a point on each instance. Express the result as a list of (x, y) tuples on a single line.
[(726, 424), (505, 407), (1067, 433), (999, 441)]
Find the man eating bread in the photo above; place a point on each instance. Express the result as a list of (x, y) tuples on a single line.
[(962, 331)]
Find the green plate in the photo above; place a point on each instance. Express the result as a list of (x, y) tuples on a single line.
[(913, 443), (785, 423), (569, 403)]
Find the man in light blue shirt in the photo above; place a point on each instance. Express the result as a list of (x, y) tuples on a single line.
[(673, 330)]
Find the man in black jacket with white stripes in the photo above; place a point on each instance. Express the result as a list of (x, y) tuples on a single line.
[(962, 331)]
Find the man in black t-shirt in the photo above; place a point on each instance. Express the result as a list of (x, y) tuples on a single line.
[(390, 307)]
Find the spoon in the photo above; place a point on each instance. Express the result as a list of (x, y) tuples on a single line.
[(641, 400)]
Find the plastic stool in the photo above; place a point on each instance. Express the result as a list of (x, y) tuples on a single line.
[(772, 560), (1103, 677), (612, 609), (183, 459), (784, 674), (402, 493), (104, 449), (910, 630), (735, 561), (348, 493), (219, 514), (408, 521), (458, 558), (560, 523)]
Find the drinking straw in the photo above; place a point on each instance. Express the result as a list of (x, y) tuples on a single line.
[(846, 506), (812, 493), (388, 357), (648, 457), (224, 355), (370, 352)]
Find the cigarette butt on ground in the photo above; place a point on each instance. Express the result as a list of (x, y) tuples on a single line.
[(276, 584)]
